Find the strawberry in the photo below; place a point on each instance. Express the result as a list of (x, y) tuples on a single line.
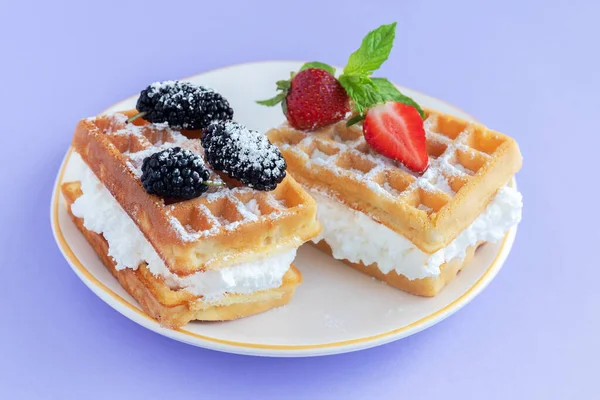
[(316, 99), (396, 131), (312, 99)]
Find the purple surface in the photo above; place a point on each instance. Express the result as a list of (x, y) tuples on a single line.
[(529, 69)]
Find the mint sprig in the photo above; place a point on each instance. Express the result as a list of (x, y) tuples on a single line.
[(373, 51), (365, 91), (356, 79), (361, 90)]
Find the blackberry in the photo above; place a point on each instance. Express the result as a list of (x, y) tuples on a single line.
[(243, 154), (182, 105), (215, 108), (175, 173)]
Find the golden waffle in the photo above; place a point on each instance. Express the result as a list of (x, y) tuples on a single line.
[(427, 287), (175, 308), (218, 229), (468, 164)]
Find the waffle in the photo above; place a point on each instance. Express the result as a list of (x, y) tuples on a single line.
[(175, 308), (468, 164), (226, 226), (427, 287)]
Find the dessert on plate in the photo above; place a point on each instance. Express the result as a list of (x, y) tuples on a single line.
[(405, 194), (194, 229)]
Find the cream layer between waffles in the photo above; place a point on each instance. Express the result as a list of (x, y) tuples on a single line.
[(217, 215), (354, 236), (376, 212), (102, 214)]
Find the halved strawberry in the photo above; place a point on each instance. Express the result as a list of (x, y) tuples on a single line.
[(396, 131)]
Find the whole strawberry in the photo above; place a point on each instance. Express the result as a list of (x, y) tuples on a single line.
[(312, 99), (392, 122)]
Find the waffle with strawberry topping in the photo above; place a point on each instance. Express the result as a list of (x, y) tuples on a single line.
[(467, 166)]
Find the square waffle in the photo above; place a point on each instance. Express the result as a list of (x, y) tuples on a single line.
[(227, 226), (223, 227), (468, 164)]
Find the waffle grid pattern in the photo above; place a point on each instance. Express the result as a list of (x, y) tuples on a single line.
[(236, 219), (222, 209), (338, 160)]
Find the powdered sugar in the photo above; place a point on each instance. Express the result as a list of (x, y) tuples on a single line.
[(317, 155), (252, 206), (164, 138), (181, 95), (253, 148), (463, 169), (391, 190), (423, 207), (354, 158), (137, 159), (185, 232), (440, 182)]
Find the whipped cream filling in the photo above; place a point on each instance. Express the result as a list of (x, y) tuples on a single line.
[(354, 236), (102, 213)]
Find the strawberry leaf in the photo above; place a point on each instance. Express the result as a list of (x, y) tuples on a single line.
[(273, 101), (283, 85), (319, 65), (373, 51), (389, 92)]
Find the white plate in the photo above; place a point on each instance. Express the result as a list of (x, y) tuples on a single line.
[(336, 309)]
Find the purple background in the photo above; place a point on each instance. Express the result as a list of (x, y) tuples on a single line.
[(527, 68)]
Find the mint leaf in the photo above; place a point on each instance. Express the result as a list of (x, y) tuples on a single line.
[(389, 92), (373, 51), (361, 90), (273, 101), (365, 92), (320, 65)]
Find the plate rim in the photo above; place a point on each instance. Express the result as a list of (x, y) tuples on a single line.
[(134, 313)]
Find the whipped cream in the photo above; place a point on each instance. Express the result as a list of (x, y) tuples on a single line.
[(354, 236), (127, 245)]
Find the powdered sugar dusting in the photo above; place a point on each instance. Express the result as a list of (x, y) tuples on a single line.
[(160, 137), (391, 190), (462, 169), (379, 173), (185, 234), (243, 209), (424, 207), (253, 148), (441, 183), (178, 97), (318, 155), (137, 159), (252, 206)]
